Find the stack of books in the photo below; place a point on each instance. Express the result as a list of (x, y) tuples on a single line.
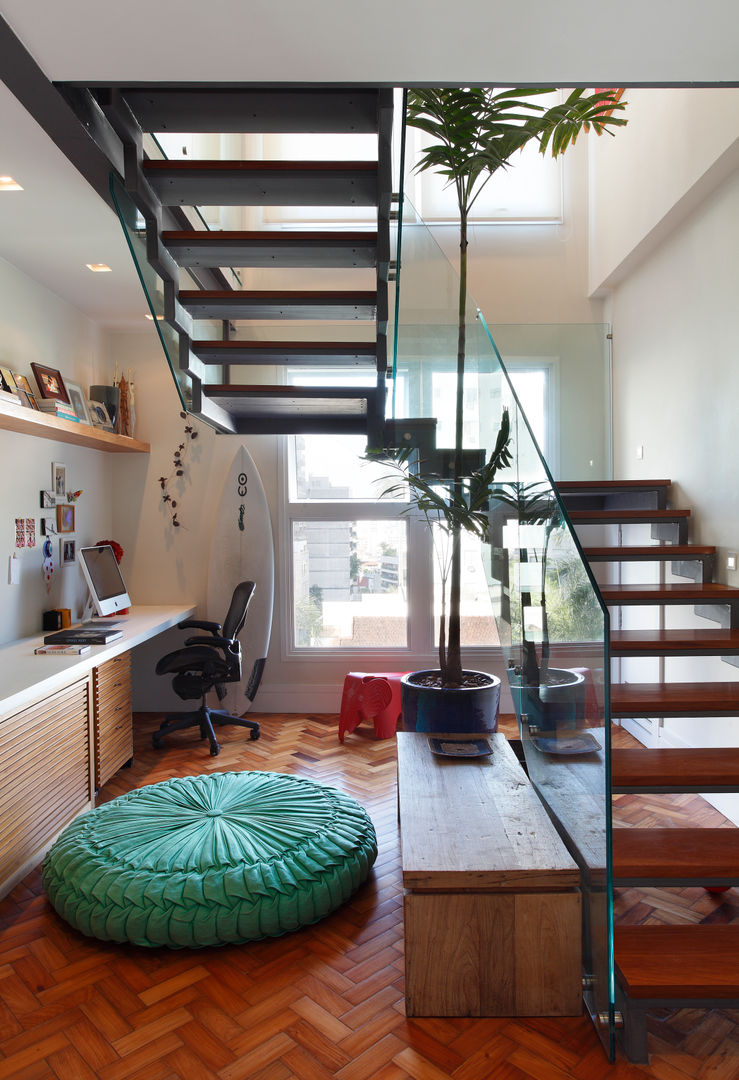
[(62, 409)]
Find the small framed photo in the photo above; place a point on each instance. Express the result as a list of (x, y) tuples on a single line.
[(47, 498), (50, 382), (99, 415), (59, 479), (7, 381), (26, 399), (48, 526), (79, 402), (65, 518), (67, 552)]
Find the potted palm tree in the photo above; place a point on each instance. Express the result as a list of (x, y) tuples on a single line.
[(472, 132)]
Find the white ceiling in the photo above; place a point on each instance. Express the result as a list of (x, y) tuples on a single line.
[(392, 41)]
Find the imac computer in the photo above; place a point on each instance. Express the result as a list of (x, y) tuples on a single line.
[(107, 588)]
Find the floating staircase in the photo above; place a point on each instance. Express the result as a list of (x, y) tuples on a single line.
[(217, 320), (680, 965)]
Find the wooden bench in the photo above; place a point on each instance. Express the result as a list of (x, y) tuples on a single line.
[(492, 904)]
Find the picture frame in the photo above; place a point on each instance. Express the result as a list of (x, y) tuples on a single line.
[(78, 402), (47, 499), (48, 526), (7, 382), (67, 552), (59, 479), (27, 400), (65, 518), (50, 382), (99, 415)]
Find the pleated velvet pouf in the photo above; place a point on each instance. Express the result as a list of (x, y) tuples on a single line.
[(210, 860)]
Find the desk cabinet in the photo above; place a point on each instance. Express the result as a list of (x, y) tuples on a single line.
[(47, 781), (113, 723)]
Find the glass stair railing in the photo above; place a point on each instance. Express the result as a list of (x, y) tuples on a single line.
[(550, 621)]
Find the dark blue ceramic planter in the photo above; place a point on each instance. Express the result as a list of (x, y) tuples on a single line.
[(469, 709)]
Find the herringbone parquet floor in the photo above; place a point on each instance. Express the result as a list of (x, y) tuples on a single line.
[(325, 1002)]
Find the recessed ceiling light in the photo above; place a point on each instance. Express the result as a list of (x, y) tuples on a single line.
[(98, 268), (7, 183)]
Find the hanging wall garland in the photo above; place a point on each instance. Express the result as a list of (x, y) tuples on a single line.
[(179, 466)]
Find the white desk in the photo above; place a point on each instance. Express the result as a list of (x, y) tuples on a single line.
[(55, 713)]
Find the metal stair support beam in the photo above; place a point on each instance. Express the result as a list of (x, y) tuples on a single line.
[(156, 217), (195, 248), (255, 353), (255, 111), (263, 183)]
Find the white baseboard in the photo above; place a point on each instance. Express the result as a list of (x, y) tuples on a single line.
[(298, 698)]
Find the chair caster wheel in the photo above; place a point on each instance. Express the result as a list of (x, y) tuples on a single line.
[(156, 742), (215, 751), (254, 734)]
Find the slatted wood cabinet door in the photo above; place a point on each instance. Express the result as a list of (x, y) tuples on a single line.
[(47, 779), (113, 723)]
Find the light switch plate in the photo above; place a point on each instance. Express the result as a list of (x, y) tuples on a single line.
[(731, 560)]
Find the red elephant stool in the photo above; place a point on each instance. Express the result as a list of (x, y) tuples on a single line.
[(371, 697)]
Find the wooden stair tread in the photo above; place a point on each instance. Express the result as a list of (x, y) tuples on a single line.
[(264, 183), (707, 856), (675, 769), (597, 517), (718, 642), (272, 248), (218, 165), (277, 352), (709, 592), (568, 486), (271, 304), (655, 552), (290, 391), (675, 699), (680, 962)]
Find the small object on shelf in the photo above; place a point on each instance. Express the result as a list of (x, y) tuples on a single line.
[(24, 391), (61, 650), (109, 397), (99, 415), (50, 382), (79, 403)]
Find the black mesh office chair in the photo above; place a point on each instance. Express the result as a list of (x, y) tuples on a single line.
[(204, 664)]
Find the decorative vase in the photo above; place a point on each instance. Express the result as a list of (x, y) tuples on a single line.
[(110, 397), (464, 709)]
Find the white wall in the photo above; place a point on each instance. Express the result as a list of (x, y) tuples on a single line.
[(36, 326), (676, 380), (678, 146)]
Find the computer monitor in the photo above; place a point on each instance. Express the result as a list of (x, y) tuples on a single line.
[(104, 580)]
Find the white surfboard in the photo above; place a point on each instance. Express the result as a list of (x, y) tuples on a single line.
[(242, 550)]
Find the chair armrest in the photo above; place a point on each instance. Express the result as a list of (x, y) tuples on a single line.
[(218, 642), (198, 624)]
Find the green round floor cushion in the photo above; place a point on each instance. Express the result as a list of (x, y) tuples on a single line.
[(210, 860)]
